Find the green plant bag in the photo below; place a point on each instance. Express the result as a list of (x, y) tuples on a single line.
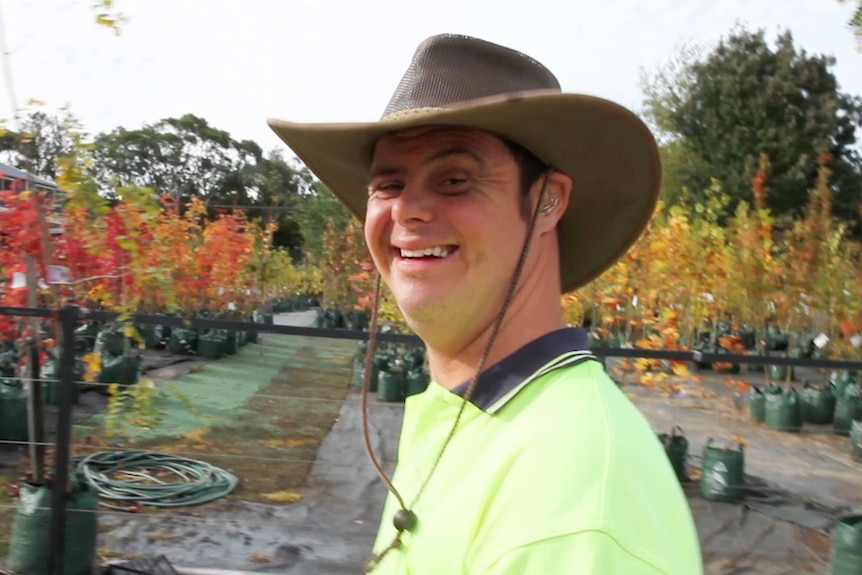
[(818, 403), (856, 440), (415, 357), (357, 320), (748, 338), (781, 373), (847, 546), (183, 341), (13, 412), (151, 335), (110, 340), (359, 375), (49, 372), (8, 359), (841, 379), (332, 319), (390, 385), (264, 317), (31, 531), (676, 446), (417, 381), (756, 404), (86, 334), (723, 477), (50, 383), (848, 406), (776, 340), (121, 370), (212, 344), (231, 343), (783, 411), (382, 360)]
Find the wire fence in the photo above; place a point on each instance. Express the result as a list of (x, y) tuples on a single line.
[(68, 449)]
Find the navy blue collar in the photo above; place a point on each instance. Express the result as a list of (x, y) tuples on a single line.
[(500, 382)]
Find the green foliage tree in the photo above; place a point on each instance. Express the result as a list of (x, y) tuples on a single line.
[(187, 157), (716, 113), (316, 209), (42, 138), (855, 22), (183, 157)]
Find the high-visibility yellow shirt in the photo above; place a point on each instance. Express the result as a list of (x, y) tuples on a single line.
[(552, 469)]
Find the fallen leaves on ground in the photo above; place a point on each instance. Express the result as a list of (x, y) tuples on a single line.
[(282, 496), (260, 558), (195, 436), (737, 384), (651, 379), (280, 442), (680, 369), (164, 536)]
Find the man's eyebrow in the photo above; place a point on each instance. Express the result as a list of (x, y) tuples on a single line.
[(379, 171), (455, 151)]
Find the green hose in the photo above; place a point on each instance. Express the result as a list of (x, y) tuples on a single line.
[(133, 478)]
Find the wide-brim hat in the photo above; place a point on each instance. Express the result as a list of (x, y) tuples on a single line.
[(459, 81)]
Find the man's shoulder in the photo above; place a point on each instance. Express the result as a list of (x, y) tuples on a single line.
[(579, 414), (582, 398)]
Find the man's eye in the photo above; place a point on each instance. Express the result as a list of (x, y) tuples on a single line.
[(453, 185), (386, 188)]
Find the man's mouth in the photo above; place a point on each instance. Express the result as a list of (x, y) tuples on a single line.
[(426, 253)]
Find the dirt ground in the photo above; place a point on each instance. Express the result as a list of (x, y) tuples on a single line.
[(798, 484), (269, 441), (309, 501)]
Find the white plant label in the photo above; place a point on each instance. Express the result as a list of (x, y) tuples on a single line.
[(821, 340), (856, 340), (19, 280), (59, 275)]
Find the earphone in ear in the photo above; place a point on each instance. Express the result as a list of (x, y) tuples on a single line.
[(549, 205)]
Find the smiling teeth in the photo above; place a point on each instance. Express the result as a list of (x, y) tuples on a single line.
[(436, 252)]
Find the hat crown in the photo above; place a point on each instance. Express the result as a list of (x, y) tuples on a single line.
[(450, 69)]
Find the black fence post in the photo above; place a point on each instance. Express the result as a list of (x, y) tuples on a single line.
[(62, 451)]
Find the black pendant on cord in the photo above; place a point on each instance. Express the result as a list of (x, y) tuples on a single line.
[(405, 520)]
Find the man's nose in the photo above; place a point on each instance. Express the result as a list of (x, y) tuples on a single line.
[(413, 205)]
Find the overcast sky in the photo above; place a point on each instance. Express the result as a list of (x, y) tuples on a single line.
[(238, 62)]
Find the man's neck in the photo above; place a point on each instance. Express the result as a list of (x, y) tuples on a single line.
[(523, 324)]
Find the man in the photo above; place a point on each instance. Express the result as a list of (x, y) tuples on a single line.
[(486, 193)]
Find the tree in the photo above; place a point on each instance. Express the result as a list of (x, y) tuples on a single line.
[(42, 139), (715, 115), (183, 157), (317, 208), (855, 22), (188, 158)]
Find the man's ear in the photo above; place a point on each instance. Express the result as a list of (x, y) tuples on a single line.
[(556, 200)]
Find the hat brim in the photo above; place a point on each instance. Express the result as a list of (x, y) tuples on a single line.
[(609, 153)]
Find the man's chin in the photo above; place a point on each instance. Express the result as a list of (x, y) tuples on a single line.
[(423, 311)]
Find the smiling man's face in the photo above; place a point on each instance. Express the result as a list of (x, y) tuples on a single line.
[(444, 224)]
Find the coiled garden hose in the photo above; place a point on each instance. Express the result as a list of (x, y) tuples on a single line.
[(129, 479)]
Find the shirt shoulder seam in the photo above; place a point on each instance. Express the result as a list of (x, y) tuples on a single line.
[(604, 532)]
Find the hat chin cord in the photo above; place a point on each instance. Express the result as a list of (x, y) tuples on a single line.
[(405, 519)]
